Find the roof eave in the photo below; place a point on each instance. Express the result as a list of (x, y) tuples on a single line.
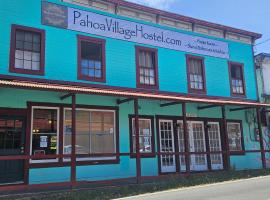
[(253, 35)]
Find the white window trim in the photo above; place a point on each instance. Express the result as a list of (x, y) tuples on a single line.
[(100, 158), (31, 135)]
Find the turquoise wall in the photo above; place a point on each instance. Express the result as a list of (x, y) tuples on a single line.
[(61, 55), (127, 167)]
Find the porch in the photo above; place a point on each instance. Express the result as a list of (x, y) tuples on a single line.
[(184, 135)]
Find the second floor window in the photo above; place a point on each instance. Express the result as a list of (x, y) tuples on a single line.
[(237, 79), (91, 59), (196, 75), (27, 50), (146, 60)]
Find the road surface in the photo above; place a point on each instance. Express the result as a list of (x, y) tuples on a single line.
[(248, 189)]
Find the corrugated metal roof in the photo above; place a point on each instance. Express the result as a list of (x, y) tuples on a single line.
[(122, 93)]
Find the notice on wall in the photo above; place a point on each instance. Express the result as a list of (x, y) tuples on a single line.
[(102, 25), (43, 141), (146, 131)]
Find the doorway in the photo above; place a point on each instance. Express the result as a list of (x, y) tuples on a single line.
[(12, 140), (204, 135)]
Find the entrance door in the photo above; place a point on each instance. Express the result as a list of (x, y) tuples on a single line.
[(198, 162), (215, 145), (12, 135), (166, 137), (181, 145)]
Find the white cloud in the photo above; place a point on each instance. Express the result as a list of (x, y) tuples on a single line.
[(160, 4)]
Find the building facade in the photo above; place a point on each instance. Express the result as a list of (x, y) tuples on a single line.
[(110, 90), (262, 61)]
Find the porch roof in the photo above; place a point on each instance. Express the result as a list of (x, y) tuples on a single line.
[(126, 92)]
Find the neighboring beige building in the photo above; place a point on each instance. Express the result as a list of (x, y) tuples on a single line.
[(263, 75), (262, 62)]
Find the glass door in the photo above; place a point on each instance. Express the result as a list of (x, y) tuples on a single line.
[(198, 162), (166, 137), (181, 145), (215, 145), (12, 133)]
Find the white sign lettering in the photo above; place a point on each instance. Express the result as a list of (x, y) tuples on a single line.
[(102, 25)]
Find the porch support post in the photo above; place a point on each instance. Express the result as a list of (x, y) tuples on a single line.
[(261, 138), (138, 155), (73, 140), (226, 142), (186, 137)]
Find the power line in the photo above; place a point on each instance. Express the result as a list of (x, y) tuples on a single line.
[(262, 42)]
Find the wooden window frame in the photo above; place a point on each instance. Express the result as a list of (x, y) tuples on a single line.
[(57, 134), (241, 65), (84, 157), (102, 42), (143, 155), (12, 68), (60, 162), (237, 152), (192, 90), (145, 86)]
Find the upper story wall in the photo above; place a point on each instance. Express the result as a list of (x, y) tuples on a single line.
[(61, 54)]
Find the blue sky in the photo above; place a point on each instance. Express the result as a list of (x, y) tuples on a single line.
[(252, 15)]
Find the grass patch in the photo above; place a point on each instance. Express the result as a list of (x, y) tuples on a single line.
[(171, 183)]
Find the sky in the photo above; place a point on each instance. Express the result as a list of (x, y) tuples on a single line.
[(251, 15)]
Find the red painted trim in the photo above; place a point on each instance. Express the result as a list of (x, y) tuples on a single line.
[(261, 138), (138, 154), (151, 50), (103, 62), (61, 132), (143, 155), (224, 139), (13, 111), (117, 121), (183, 18), (186, 137), (230, 64), (73, 141), (28, 142), (201, 59), (25, 157), (12, 68)]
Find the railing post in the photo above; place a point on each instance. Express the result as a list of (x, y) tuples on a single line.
[(261, 138), (226, 142), (138, 155), (186, 138), (73, 141)]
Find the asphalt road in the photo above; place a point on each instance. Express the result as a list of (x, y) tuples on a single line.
[(249, 189)]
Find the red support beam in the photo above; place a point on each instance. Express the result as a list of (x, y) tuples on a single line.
[(226, 141), (186, 137), (138, 155), (73, 141), (261, 138)]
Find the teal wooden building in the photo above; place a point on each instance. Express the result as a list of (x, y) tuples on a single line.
[(110, 90)]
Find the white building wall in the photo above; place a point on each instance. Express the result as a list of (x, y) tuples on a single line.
[(266, 76)]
